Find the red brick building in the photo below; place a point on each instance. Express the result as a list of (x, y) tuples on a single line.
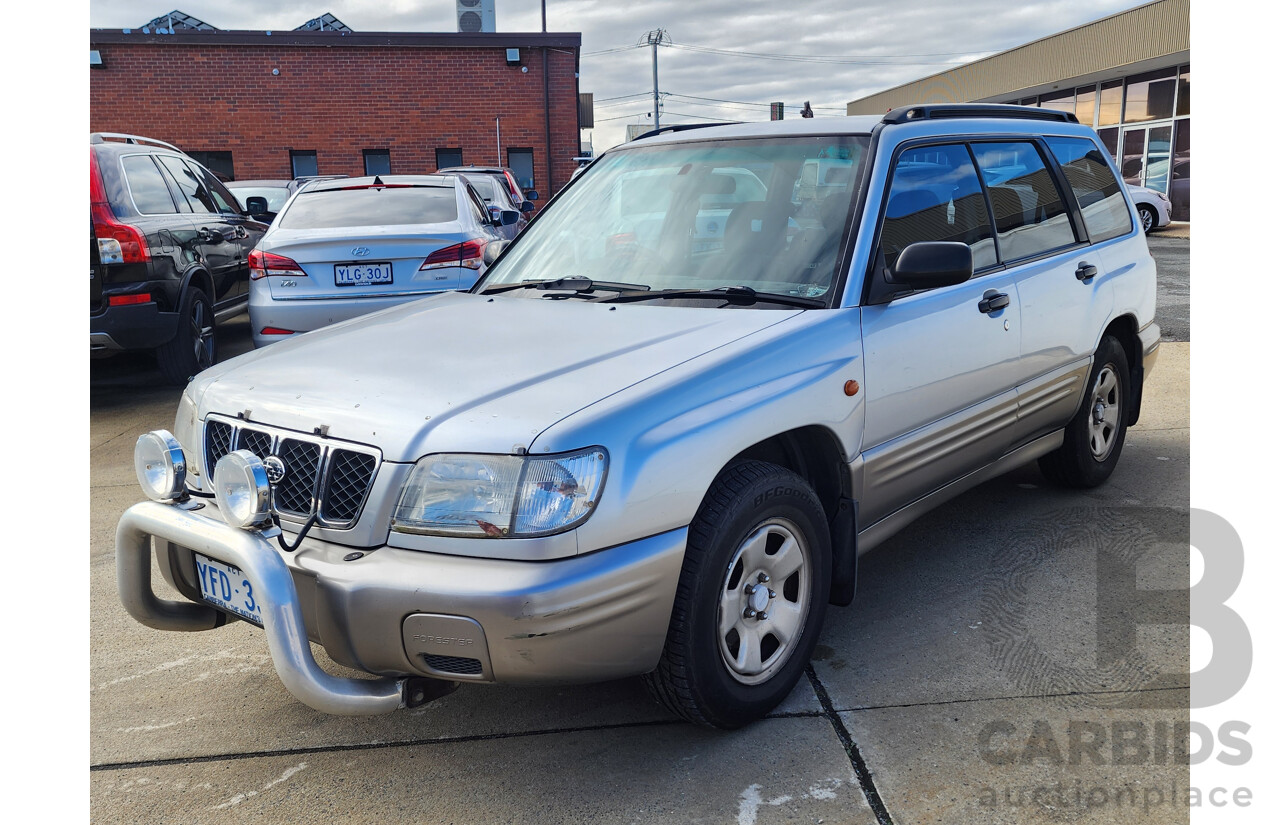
[(256, 104)]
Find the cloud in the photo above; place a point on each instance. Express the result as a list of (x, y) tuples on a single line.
[(913, 38)]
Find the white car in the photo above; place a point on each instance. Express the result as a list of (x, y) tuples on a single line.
[(347, 247), (1153, 207)]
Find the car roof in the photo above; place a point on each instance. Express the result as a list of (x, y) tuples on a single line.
[(486, 170)]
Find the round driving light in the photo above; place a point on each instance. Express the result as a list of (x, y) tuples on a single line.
[(160, 465), (242, 490)]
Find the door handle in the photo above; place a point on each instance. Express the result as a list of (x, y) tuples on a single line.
[(1085, 271), (992, 301)]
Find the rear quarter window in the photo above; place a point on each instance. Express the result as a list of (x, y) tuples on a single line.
[(1106, 215), (146, 185), (370, 207)]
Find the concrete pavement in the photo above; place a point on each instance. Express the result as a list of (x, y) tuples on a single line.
[(977, 678)]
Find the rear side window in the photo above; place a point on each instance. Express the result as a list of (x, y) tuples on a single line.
[(146, 184), (223, 200), (1031, 216), (936, 196), (1106, 215), (190, 186), (370, 207)]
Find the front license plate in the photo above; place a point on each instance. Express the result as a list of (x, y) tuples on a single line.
[(226, 586), (361, 274)]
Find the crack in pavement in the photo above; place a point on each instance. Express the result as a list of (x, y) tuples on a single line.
[(943, 702), (860, 769)]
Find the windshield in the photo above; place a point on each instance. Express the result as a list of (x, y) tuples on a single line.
[(487, 188), (370, 206), (764, 214), (275, 195)]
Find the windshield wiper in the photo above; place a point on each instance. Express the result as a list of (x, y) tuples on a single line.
[(735, 295), (575, 284)]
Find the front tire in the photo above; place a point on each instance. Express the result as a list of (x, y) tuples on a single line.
[(1095, 435), (1148, 216), (752, 596), (194, 347)]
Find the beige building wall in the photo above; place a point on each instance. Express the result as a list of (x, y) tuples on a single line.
[(1159, 31)]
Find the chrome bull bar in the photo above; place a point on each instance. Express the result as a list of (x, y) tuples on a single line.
[(273, 588)]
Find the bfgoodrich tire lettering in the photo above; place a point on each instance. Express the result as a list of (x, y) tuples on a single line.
[(1095, 436), (751, 599)]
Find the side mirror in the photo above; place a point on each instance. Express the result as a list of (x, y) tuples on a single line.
[(492, 250), (531, 195), (930, 264), (526, 207), (256, 205), (509, 217)]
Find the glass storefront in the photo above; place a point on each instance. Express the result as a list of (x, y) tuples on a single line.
[(1144, 120)]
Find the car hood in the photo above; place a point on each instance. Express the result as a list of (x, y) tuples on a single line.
[(463, 372)]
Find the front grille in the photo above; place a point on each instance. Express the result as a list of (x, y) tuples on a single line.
[(320, 478), (453, 664)]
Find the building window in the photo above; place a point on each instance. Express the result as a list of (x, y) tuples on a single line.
[(1149, 96), (1060, 101), (377, 161), (521, 163), (1086, 99), (1109, 103), (303, 162), (448, 158), (1184, 92), (218, 163)]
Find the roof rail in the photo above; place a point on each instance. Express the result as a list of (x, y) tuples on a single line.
[(940, 111), (681, 127), (103, 137)]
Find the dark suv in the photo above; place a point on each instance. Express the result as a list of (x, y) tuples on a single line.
[(168, 253)]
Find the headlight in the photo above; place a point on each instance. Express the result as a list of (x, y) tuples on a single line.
[(242, 490), (501, 495), (160, 465)]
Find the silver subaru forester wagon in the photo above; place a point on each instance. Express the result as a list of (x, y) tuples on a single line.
[(656, 436)]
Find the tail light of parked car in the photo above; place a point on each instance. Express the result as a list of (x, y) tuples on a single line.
[(262, 264), (516, 195), (118, 243), (468, 253)]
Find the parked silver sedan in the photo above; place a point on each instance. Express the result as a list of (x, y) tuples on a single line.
[(343, 248)]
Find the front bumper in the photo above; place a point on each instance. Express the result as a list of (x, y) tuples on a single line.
[(404, 613)]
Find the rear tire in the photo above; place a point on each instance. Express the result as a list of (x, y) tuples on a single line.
[(1095, 436), (194, 346), (752, 596)]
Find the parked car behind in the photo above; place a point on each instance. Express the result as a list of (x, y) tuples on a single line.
[(274, 192), (1153, 207), (496, 196), (342, 248), (663, 456), (168, 253), (523, 199)]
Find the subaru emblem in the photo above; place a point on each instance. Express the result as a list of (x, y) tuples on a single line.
[(274, 468), (360, 251)]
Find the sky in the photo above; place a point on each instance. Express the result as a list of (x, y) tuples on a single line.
[(894, 41)]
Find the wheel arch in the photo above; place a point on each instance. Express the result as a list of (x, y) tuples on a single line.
[(1125, 330), (814, 453), (199, 277)]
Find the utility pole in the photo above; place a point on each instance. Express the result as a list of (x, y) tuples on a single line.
[(656, 38)]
